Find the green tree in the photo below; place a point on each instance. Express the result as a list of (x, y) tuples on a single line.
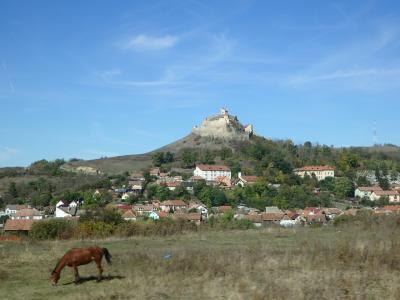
[(168, 157), (225, 153), (158, 159), (384, 183), (207, 157), (188, 158), (344, 187), (12, 190)]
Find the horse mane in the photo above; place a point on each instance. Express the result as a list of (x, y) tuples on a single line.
[(58, 263)]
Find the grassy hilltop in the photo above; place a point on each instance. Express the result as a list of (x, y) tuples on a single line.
[(361, 262)]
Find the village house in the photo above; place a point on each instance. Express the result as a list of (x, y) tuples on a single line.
[(17, 226), (255, 218), (173, 205), (155, 172), (210, 172), (64, 210), (246, 180), (27, 214), (223, 181), (157, 215), (392, 195), (11, 209), (366, 191), (171, 185), (269, 219), (129, 215), (144, 209), (320, 172), (136, 177), (191, 217), (136, 186), (332, 212)]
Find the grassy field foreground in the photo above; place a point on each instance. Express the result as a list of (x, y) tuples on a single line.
[(303, 263)]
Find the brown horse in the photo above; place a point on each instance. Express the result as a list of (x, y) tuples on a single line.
[(81, 256)]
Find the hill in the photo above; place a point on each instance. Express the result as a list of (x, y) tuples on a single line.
[(215, 133)]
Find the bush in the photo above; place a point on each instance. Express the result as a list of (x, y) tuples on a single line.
[(161, 227), (93, 229), (51, 229)]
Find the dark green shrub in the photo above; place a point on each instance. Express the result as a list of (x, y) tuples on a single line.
[(51, 229)]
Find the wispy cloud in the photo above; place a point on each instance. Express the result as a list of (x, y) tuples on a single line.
[(6, 153), (366, 63), (144, 42), (10, 83), (344, 74)]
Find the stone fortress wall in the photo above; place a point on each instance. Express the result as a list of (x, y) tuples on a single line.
[(224, 126)]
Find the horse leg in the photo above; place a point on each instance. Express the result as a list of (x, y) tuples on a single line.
[(76, 275), (98, 263)]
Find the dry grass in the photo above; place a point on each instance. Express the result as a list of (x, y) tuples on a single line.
[(304, 263)]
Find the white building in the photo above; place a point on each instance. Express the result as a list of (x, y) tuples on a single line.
[(211, 172), (12, 209), (392, 195), (320, 172), (366, 191), (27, 214)]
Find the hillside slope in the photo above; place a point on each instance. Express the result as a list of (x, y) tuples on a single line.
[(134, 163)]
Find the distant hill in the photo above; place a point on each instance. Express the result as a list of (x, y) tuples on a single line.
[(118, 164), (216, 132)]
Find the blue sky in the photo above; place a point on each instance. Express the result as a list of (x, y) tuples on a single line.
[(102, 78)]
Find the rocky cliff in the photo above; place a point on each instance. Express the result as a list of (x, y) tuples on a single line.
[(224, 126)]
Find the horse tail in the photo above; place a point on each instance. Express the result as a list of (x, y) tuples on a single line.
[(107, 255)]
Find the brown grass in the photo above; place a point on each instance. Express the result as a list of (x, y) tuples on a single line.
[(303, 263)]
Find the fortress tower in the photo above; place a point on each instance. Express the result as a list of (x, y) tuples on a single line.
[(224, 126)]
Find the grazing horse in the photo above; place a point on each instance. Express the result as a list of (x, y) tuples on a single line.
[(81, 256)]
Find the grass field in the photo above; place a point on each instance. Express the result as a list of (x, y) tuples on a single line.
[(303, 263)]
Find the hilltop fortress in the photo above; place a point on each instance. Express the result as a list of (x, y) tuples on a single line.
[(224, 126)]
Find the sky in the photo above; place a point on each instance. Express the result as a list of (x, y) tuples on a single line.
[(85, 79)]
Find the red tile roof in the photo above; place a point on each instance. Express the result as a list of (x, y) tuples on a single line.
[(392, 207), (272, 216), (162, 214), (255, 218), (369, 188), (213, 168), (249, 178), (28, 212), (386, 193), (129, 214), (316, 168), (18, 225), (173, 203)]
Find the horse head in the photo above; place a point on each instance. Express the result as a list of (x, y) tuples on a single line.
[(55, 277)]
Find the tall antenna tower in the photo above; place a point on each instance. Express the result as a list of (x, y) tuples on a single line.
[(375, 136)]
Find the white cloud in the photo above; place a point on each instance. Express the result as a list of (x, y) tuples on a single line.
[(145, 42)]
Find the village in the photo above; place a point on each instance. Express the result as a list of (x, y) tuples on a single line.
[(19, 218)]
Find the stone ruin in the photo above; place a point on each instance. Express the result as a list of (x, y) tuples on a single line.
[(224, 126)]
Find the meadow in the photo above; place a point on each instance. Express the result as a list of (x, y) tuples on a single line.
[(345, 262)]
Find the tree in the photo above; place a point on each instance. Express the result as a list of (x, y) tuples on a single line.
[(384, 183), (363, 181), (12, 190), (225, 153), (158, 159), (168, 157), (343, 187), (188, 158), (208, 157)]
